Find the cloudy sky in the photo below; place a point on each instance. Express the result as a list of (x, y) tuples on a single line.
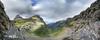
[(49, 10)]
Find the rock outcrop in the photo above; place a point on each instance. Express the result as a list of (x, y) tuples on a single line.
[(86, 25), (4, 21)]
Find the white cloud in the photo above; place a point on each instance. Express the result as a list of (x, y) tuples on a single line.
[(55, 10), (15, 7), (50, 10)]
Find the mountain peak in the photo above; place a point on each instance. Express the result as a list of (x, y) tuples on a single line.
[(36, 16), (17, 17)]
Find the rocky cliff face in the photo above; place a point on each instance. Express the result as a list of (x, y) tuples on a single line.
[(4, 21), (86, 25)]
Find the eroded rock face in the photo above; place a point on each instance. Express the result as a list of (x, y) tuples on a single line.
[(86, 25), (4, 21)]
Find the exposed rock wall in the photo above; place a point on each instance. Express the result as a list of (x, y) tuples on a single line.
[(4, 21), (86, 25)]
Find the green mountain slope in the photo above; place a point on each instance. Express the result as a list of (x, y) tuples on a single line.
[(32, 25)]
